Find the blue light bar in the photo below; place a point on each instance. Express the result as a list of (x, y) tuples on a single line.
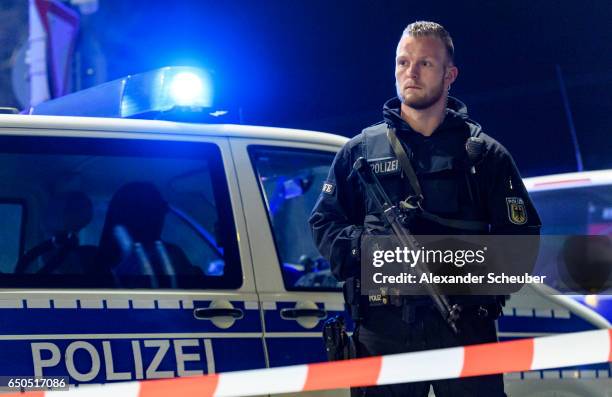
[(165, 91), (187, 88)]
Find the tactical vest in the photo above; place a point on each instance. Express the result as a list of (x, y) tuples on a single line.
[(442, 184)]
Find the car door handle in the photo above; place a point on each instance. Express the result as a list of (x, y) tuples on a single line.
[(207, 313), (292, 314)]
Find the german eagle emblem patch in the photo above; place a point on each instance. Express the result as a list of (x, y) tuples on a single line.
[(517, 213)]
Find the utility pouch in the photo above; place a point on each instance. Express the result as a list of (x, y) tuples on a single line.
[(352, 296), (338, 344)]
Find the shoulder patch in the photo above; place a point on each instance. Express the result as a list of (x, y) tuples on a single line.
[(328, 188), (517, 212)]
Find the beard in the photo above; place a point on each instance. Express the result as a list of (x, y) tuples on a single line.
[(422, 102)]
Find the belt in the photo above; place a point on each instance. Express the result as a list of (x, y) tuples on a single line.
[(384, 299)]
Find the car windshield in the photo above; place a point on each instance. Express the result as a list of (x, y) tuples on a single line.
[(576, 211)]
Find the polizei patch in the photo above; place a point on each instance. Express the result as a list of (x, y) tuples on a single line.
[(517, 212), (385, 166)]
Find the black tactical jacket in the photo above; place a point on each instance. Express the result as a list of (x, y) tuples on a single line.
[(343, 211)]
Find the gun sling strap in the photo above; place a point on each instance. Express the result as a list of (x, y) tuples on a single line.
[(414, 202)]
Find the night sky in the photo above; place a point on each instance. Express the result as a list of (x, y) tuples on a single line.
[(328, 65)]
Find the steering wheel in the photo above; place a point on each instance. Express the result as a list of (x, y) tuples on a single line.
[(62, 243)]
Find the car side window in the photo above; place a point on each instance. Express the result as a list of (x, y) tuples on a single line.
[(119, 213), (11, 223), (290, 181)]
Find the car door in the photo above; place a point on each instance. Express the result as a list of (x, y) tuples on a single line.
[(295, 285), (145, 300)]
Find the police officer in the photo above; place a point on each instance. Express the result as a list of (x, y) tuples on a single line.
[(461, 191)]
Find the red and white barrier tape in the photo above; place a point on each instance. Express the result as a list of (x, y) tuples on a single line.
[(579, 348)]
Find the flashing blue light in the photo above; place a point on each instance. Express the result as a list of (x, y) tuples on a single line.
[(182, 87), (155, 94), (187, 88)]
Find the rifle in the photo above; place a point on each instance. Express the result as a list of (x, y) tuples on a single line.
[(396, 219)]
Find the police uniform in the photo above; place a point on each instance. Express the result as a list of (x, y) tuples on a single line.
[(459, 191)]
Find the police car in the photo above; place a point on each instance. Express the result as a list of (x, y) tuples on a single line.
[(141, 249), (579, 204), (571, 204)]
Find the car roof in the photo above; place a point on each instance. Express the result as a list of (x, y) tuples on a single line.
[(49, 125), (43, 125), (569, 180)]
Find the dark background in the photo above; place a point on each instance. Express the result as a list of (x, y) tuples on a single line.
[(328, 65)]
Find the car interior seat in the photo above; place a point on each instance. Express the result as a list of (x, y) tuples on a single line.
[(130, 243)]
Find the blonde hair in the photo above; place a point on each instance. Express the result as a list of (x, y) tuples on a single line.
[(427, 28)]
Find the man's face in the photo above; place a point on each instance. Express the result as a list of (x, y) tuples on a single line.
[(423, 72)]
